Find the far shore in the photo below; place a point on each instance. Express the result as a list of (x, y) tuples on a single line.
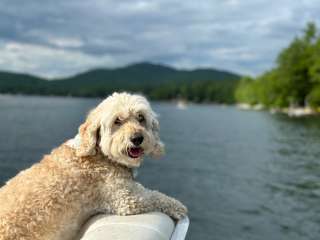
[(178, 101), (183, 104), (290, 111)]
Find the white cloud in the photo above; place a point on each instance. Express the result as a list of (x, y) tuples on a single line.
[(46, 61), (65, 37), (66, 42), (136, 7)]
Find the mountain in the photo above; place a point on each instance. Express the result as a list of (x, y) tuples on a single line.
[(155, 80), (20, 83), (151, 74)]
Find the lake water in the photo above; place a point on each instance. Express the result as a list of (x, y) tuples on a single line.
[(243, 175)]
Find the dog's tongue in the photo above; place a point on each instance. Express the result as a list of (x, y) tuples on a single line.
[(135, 152)]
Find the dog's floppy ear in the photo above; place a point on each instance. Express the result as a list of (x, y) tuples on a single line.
[(88, 133), (158, 149)]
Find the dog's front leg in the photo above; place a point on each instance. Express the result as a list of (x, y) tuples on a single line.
[(132, 198), (167, 205)]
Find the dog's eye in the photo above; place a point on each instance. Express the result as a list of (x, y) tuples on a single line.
[(117, 122), (141, 118)]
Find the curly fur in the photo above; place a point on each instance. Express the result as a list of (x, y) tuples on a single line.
[(89, 174)]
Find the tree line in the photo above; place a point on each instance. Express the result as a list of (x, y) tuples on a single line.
[(295, 79), (156, 81)]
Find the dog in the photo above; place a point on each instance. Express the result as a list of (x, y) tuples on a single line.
[(90, 174)]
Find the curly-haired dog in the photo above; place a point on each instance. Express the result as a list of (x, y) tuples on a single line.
[(91, 173)]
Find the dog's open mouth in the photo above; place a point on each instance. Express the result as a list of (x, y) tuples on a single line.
[(135, 152)]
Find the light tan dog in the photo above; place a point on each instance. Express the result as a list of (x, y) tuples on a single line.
[(89, 174)]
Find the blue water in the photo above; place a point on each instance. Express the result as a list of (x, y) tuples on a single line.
[(243, 175)]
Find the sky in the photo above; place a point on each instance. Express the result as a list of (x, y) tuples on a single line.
[(64, 37)]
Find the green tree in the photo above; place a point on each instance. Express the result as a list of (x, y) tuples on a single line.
[(246, 91), (292, 80)]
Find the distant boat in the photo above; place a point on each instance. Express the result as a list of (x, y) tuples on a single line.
[(244, 106), (182, 105)]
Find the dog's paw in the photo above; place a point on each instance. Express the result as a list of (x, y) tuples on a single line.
[(178, 210)]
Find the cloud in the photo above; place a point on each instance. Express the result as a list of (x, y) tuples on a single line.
[(46, 61), (65, 37)]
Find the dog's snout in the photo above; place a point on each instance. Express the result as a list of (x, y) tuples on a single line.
[(137, 139)]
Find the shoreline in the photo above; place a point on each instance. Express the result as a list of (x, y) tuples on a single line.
[(290, 111), (183, 104), (178, 101)]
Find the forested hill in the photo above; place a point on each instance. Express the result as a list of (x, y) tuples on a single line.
[(156, 81)]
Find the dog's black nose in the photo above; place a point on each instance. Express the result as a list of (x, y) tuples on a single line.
[(137, 139)]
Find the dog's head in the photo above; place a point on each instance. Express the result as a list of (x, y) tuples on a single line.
[(124, 128)]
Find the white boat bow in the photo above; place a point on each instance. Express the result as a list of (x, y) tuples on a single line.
[(149, 226)]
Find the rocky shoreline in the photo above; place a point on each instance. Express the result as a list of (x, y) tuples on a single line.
[(291, 111)]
